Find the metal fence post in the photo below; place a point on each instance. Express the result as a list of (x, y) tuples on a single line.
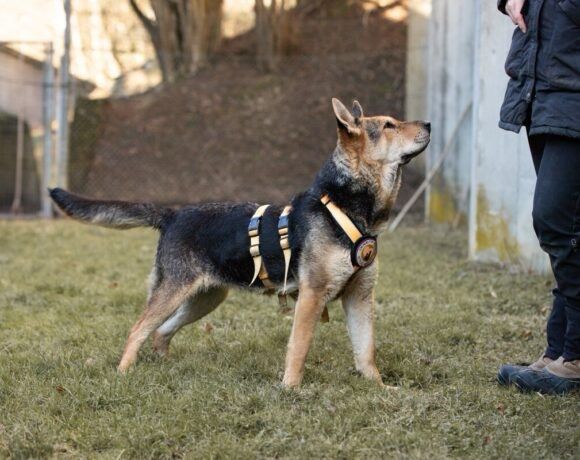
[(63, 103), (48, 118)]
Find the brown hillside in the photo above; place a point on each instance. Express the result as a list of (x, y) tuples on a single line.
[(234, 133)]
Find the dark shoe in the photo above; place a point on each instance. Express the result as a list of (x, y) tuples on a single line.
[(507, 372), (559, 377)]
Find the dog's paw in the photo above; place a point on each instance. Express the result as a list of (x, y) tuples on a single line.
[(285, 388), (122, 370), (291, 383), (371, 373), (160, 345)]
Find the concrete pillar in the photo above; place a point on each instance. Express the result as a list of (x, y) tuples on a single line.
[(417, 66), (417, 59), (502, 175), (450, 92)]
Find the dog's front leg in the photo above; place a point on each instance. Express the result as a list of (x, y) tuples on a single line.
[(358, 304), (306, 315)]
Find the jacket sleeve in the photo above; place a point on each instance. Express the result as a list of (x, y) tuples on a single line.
[(501, 5), (572, 9)]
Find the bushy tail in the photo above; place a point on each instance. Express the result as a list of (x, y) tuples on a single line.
[(114, 214)]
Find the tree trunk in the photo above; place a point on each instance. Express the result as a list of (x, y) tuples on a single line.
[(206, 22), (167, 21), (184, 33), (265, 49), (275, 33)]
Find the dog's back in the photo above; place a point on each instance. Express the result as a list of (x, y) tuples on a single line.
[(209, 237)]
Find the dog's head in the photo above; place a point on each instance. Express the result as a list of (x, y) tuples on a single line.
[(379, 140)]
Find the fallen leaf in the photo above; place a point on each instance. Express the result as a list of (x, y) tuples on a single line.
[(330, 407), (61, 448), (526, 334), (501, 408), (391, 387), (207, 327)]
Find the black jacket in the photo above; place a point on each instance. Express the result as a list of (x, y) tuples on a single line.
[(544, 69)]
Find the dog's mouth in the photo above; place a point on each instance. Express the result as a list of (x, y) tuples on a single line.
[(407, 157)]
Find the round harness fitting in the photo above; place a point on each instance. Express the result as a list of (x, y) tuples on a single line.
[(364, 251)]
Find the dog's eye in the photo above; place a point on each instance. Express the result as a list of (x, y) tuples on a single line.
[(389, 125)]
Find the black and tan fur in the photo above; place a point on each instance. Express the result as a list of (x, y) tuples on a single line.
[(204, 249)]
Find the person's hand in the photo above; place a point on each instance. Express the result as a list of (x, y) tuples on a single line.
[(514, 9)]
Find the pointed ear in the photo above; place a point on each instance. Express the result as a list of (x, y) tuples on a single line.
[(357, 110), (346, 122)]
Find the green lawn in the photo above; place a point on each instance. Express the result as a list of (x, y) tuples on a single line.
[(69, 294)]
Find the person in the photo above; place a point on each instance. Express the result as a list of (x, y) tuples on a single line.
[(543, 95)]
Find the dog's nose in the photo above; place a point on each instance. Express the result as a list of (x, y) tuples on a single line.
[(427, 126)]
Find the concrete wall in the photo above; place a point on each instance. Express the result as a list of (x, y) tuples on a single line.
[(450, 92), (416, 70), (417, 55), (503, 177), (487, 181)]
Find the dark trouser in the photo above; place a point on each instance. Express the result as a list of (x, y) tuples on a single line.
[(556, 217)]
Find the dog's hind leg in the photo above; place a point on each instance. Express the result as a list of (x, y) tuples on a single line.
[(162, 303), (194, 308)]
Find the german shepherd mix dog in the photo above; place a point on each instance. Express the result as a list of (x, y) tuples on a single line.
[(204, 249)]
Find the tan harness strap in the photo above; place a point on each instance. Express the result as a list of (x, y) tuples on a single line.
[(265, 278), (364, 247), (254, 233), (284, 243), (342, 219)]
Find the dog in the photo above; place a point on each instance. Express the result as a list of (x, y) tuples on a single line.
[(204, 249)]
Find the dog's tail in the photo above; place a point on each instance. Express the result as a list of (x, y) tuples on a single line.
[(114, 214)]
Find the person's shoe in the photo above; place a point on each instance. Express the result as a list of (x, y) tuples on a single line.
[(559, 377), (507, 372)]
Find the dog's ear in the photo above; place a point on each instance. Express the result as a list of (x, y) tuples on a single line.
[(346, 122), (357, 110)]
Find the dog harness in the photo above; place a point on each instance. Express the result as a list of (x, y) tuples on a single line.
[(363, 251), (254, 234), (284, 243), (364, 247)]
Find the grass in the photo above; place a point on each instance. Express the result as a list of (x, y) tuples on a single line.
[(69, 294)]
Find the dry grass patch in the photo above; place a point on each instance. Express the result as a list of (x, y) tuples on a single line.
[(69, 294)]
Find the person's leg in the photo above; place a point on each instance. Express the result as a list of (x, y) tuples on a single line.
[(557, 224), (537, 144), (556, 325)]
